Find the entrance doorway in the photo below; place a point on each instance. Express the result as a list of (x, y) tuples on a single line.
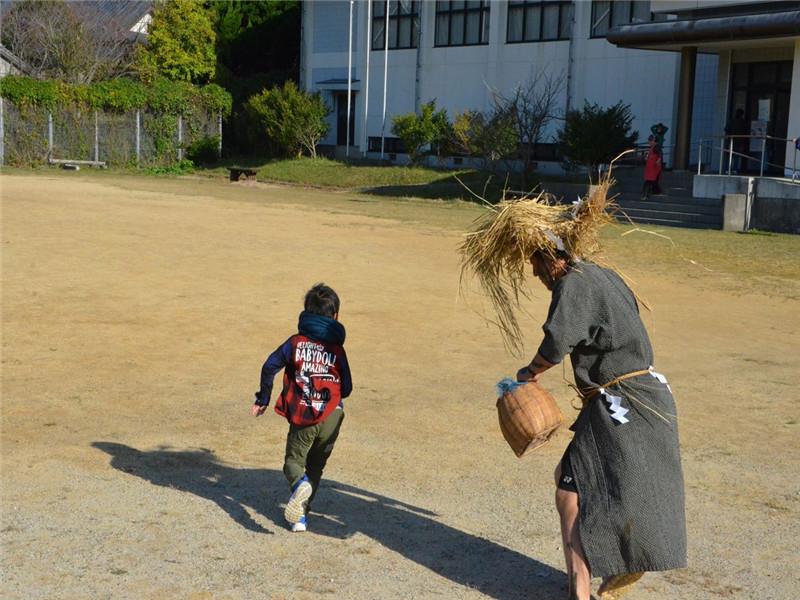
[(762, 90), (341, 118)]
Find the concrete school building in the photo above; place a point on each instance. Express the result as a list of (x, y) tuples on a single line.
[(689, 64)]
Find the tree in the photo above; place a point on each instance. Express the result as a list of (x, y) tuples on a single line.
[(594, 135), (180, 43), (293, 120), (491, 137), (531, 107), (424, 132), (67, 41)]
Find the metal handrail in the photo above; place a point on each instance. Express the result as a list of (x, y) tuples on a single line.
[(731, 153)]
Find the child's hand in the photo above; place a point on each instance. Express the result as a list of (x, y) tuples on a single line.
[(258, 410)]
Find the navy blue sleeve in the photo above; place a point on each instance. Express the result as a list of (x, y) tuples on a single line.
[(274, 363), (344, 374)]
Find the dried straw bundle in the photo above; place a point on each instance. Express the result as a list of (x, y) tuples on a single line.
[(499, 248)]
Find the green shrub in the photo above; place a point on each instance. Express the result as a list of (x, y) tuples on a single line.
[(429, 131), (118, 95), (488, 137), (183, 167), (204, 151), (291, 119), (595, 135)]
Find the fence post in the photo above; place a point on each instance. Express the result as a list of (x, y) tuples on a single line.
[(180, 138), (2, 134), (721, 154), (699, 156), (96, 139), (49, 135), (138, 136), (750, 200), (763, 153), (730, 156), (219, 127)]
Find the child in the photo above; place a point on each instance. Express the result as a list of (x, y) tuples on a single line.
[(652, 169), (316, 378)]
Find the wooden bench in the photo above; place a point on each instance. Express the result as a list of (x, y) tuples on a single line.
[(239, 173), (74, 163)]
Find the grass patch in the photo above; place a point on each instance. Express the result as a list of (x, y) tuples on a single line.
[(376, 179), (747, 262)]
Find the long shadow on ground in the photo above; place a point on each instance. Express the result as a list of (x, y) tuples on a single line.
[(410, 531)]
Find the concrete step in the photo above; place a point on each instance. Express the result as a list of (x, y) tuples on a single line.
[(676, 182), (678, 217), (669, 204), (670, 210), (644, 220), (659, 199)]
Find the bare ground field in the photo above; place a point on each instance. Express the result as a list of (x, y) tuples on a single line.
[(136, 313)]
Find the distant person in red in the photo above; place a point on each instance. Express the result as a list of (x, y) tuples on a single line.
[(652, 169)]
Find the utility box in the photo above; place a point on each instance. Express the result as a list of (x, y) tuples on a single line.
[(734, 216)]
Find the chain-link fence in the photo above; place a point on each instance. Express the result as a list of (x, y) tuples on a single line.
[(33, 135)]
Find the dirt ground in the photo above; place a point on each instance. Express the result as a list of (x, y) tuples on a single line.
[(136, 313)]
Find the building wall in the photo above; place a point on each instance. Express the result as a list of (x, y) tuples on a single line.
[(462, 78), (792, 160), (668, 6)]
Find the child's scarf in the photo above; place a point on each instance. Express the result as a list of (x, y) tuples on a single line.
[(321, 328)]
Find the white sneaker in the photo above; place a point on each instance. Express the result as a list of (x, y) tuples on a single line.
[(295, 510), (300, 525)]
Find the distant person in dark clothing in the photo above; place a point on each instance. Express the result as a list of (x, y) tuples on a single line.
[(737, 126), (652, 169)]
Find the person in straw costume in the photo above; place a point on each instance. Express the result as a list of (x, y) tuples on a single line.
[(619, 493)]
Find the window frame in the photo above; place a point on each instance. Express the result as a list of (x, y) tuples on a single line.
[(611, 4), (394, 22), (483, 20), (524, 5)]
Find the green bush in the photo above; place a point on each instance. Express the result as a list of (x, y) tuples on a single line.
[(118, 95), (429, 131), (204, 151), (488, 137), (183, 167), (595, 135), (291, 119)]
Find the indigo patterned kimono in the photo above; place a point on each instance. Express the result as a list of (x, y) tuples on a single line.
[(624, 454)]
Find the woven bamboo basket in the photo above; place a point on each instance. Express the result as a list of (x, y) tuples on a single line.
[(528, 417)]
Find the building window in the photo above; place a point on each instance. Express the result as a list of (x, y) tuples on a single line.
[(534, 20), (391, 145), (403, 24), (462, 23), (608, 14)]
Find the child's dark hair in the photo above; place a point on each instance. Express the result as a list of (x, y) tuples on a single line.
[(322, 300)]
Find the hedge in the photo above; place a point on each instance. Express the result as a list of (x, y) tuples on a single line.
[(117, 95)]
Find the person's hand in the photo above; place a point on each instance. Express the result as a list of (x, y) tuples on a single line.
[(524, 374), (258, 410)]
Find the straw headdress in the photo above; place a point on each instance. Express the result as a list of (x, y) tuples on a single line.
[(498, 249)]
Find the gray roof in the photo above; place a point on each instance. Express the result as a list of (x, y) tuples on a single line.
[(13, 59), (124, 13)]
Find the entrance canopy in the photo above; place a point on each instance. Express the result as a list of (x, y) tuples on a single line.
[(724, 32)]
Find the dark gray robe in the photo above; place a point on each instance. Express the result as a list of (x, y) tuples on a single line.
[(628, 475)]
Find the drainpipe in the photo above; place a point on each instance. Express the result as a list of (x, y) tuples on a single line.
[(571, 59), (349, 77), (418, 72), (364, 134)]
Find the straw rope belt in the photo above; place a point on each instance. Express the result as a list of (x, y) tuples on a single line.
[(587, 394)]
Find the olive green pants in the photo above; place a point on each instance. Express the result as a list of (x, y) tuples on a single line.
[(308, 449)]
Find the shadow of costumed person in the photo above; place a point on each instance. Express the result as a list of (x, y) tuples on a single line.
[(413, 532), (619, 493)]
